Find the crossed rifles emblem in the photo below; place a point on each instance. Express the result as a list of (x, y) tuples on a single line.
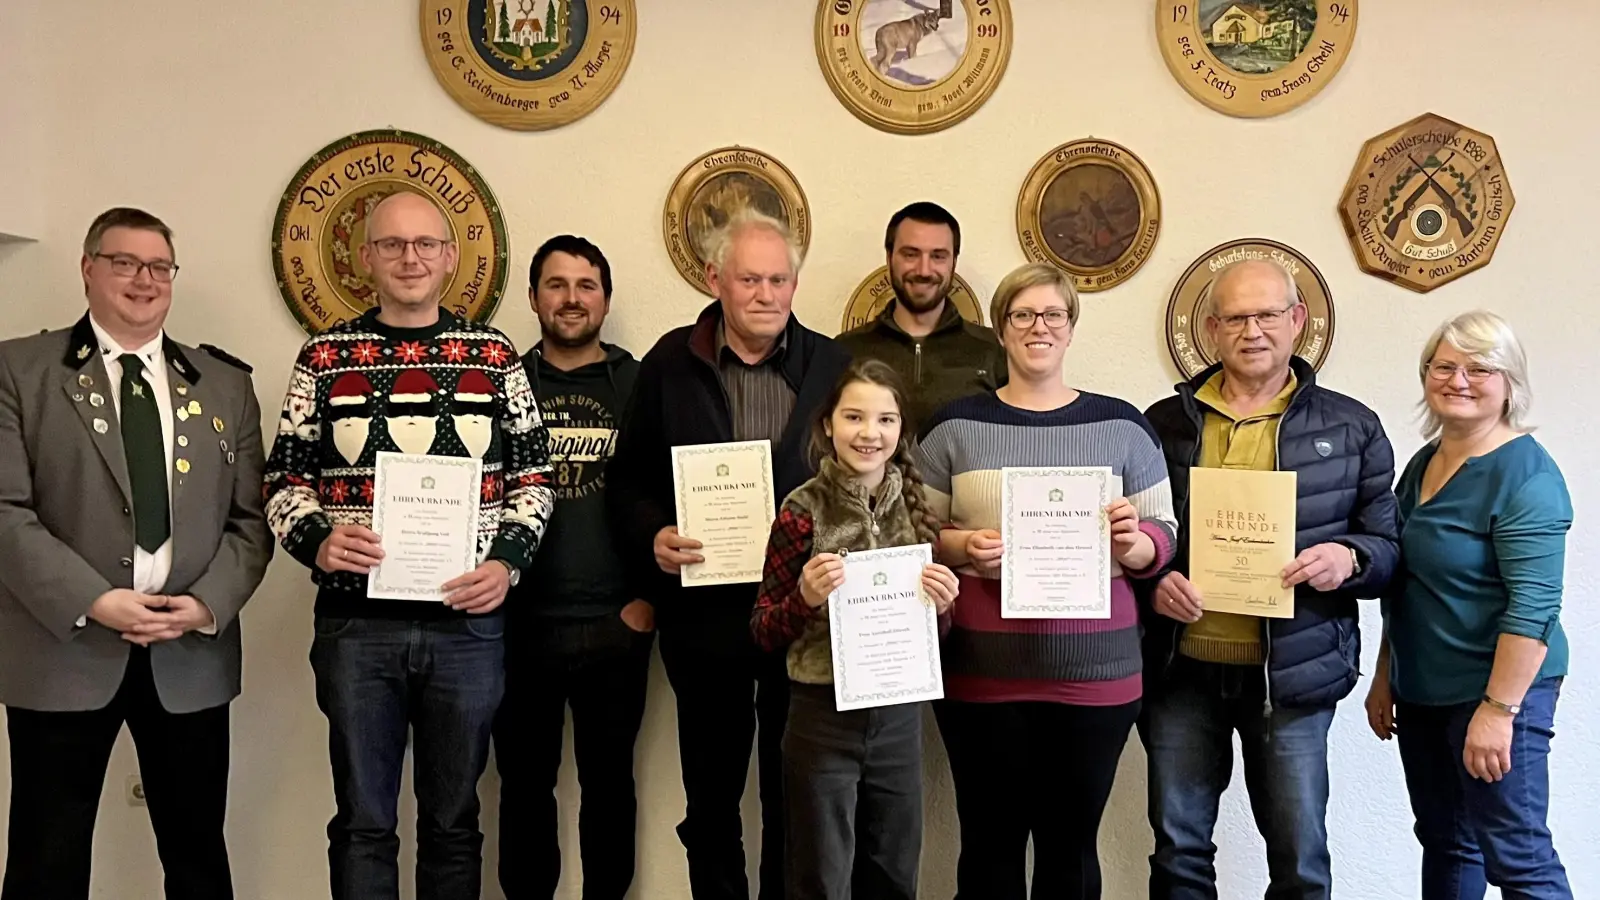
[(1448, 198)]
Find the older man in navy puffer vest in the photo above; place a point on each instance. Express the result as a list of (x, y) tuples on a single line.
[(1274, 681)]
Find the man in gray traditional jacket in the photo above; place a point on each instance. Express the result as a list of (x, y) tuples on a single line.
[(131, 535)]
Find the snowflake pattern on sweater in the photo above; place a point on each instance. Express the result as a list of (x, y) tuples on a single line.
[(359, 388)]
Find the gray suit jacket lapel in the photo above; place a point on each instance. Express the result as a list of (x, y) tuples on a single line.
[(85, 380), (192, 410)]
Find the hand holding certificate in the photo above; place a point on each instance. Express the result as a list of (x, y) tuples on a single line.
[(1241, 537), (1057, 536), (426, 510), (724, 500), (885, 632)]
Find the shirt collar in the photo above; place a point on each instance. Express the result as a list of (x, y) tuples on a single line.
[(150, 352), (1210, 394), (778, 347)]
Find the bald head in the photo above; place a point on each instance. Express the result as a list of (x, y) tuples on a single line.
[(411, 207), (1253, 280), (1254, 318), (411, 256)]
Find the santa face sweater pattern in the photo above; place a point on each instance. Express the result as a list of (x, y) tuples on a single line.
[(1087, 662), (454, 388)]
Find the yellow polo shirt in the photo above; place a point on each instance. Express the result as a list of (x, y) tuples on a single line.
[(1231, 441)]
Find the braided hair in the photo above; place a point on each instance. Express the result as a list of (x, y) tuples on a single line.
[(877, 372)]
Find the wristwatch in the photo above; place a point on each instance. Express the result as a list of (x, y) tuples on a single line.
[(1509, 708), (513, 573), (1355, 562)]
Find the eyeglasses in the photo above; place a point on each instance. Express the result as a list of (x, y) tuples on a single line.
[(1023, 319), (1267, 320), (394, 248), (1444, 371), (127, 266)]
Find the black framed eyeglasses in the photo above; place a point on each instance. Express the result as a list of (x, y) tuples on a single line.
[(1023, 319), (127, 266), (428, 248)]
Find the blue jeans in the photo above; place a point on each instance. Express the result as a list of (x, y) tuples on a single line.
[(375, 679), (1187, 729), (1476, 832)]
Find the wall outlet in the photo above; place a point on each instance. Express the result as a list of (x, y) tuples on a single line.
[(135, 791)]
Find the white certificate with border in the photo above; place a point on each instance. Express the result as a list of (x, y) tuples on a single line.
[(885, 630), (724, 500), (1057, 537), (425, 508)]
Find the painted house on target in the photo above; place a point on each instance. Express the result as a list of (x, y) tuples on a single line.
[(524, 23), (1246, 23)]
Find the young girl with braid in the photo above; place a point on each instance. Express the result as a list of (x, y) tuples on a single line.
[(853, 779)]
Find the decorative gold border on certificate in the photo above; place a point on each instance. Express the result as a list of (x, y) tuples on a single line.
[(319, 226), (895, 105), (682, 500), (842, 692), (1191, 349), (874, 292), (1434, 169), (1225, 89), (678, 220), (1007, 474), (450, 462), (581, 84), (1032, 224)]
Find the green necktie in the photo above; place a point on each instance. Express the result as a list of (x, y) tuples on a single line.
[(147, 457)]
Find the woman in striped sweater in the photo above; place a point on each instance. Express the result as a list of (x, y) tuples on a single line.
[(1037, 710)]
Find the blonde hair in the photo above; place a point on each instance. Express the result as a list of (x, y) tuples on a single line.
[(1486, 339), (1021, 279), (718, 244)]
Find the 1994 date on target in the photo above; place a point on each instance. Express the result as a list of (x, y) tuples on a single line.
[(525, 71), (1257, 60), (1339, 12)]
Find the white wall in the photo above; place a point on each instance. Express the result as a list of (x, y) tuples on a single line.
[(22, 129), (202, 111)]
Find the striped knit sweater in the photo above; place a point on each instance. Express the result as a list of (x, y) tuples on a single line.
[(1089, 662)]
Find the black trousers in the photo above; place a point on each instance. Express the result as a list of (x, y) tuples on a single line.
[(853, 788), (1023, 768), (723, 694), (58, 769), (601, 668)]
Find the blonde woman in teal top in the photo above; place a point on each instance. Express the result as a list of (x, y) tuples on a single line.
[(1474, 655)]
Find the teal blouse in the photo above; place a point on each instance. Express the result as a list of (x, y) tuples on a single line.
[(1482, 558)]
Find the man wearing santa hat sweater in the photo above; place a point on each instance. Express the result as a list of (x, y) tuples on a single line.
[(407, 377)]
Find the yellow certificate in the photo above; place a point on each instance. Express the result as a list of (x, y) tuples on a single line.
[(1241, 536)]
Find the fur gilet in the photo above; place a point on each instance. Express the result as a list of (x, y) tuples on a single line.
[(843, 520)]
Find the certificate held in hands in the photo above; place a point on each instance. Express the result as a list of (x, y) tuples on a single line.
[(885, 632), (1057, 536), (724, 501), (1241, 536), (426, 510)]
